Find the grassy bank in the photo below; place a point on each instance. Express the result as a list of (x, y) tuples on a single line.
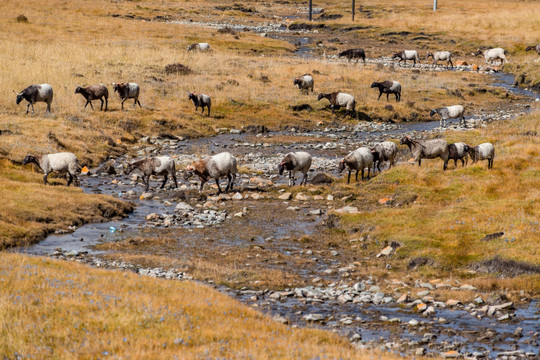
[(61, 310), (31, 210)]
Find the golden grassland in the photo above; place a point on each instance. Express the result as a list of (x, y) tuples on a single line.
[(61, 310), (31, 210), (510, 24)]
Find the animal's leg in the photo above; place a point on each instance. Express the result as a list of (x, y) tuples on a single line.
[(45, 182), (138, 102), (77, 183), (349, 177), (380, 93), (123, 103), (387, 94), (304, 180), (69, 179), (201, 187), (49, 108), (228, 182), (397, 97), (165, 178), (362, 174), (356, 178), (451, 64), (28, 108), (101, 108), (462, 163), (106, 103), (455, 163), (208, 110), (147, 182), (219, 188), (369, 173), (174, 178), (92, 106), (419, 162), (232, 181), (445, 166)]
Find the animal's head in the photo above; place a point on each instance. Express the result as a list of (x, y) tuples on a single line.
[(28, 159), (20, 98), (190, 171), (375, 84), (119, 87), (429, 54), (405, 140), (396, 55), (281, 167), (432, 112), (321, 95), (529, 48), (191, 47), (479, 52), (341, 165), (78, 90), (129, 168), (296, 81), (466, 148), (191, 95), (375, 154)]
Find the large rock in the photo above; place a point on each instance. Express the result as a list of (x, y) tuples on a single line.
[(183, 207), (348, 210), (285, 196), (321, 178)]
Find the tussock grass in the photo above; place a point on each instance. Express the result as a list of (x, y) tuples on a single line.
[(61, 310)]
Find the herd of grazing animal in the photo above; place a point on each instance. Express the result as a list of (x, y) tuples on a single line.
[(225, 164)]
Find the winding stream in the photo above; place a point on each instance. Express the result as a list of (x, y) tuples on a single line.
[(460, 330)]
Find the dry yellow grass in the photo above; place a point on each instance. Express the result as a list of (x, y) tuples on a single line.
[(53, 309)]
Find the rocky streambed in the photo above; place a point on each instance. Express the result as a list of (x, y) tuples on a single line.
[(401, 316)]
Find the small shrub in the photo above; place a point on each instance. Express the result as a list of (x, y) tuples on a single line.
[(22, 19), (177, 69)]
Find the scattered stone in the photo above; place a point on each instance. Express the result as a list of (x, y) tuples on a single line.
[(413, 322), (348, 210), (146, 196), (285, 196), (403, 299), (452, 354), (452, 302), (313, 317), (387, 251), (237, 196), (422, 293)]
